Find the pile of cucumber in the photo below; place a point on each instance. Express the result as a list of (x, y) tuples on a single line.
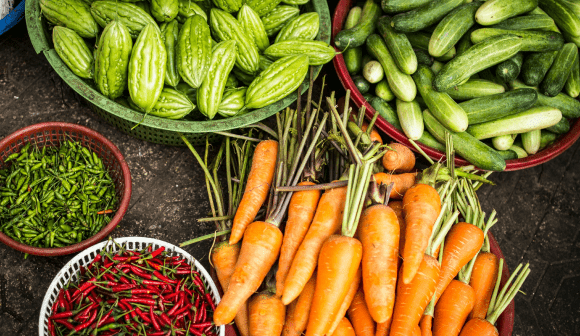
[(484, 71)]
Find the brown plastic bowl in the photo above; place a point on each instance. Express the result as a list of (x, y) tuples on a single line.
[(558, 147), (52, 132)]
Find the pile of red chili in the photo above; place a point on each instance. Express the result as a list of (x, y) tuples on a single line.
[(134, 293)]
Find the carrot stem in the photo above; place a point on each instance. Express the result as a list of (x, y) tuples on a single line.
[(500, 302), (421, 151), (349, 144), (265, 128), (322, 186), (207, 236), (238, 136), (214, 219)]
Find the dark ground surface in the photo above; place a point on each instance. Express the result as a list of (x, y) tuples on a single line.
[(538, 208)]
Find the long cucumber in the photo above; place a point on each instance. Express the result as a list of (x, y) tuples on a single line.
[(471, 149), (475, 88), (496, 11), (353, 56), (443, 107), (493, 107), (563, 15), (527, 22), (532, 119), (421, 40), (563, 126), (411, 119), (560, 70), (569, 106), (424, 16), (453, 26), (356, 36), (508, 154), (399, 46), (538, 41), (531, 141), (573, 83), (536, 65), (399, 6), (480, 56)]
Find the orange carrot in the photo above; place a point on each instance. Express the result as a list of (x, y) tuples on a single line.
[(383, 328), (344, 328), (397, 207), (257, 187), (358, 313), (421, 206), (417, 331), (482, 280), (267, 314), (426, 325), (300, 213), (259, 251), (401, 183), (478, 327), (413, 298), (400, 159), (339, 259), (462, 243), (452, 309), (326, 221), (379, 235), (347, 301), (289, 325), (374, 135), (303, 304), (224, 257)]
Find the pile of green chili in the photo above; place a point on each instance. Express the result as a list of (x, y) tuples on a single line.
[(55, 196)]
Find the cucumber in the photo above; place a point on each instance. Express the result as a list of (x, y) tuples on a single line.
[(527, 22), (539, 11), (570, 38), (353, 56), (401, 84), (471, 149), (368, 96), (423, 57), (563, 126), (428, 139), (563, 15), (569, 106), (573, 83), (531, 141), (421, 40), (547, 138), (399, 6), (503, 142), (398, 45), (481, 56), (448, 55), (436, 67), (573, 5), (453, 26), (373, 72), (560, 70), (496, 11), (520, 152), (445, 109), (424, 16), (356, 36), (497, 106), (536, 65), (361, 84), (353, 17), (507, 154), (532, 119), (475, 88), (509, 69), (532, 40), (383, 91), (386, 111), (411, 118), (464, 43)]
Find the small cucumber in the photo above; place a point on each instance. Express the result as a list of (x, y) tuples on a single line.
[(536, 65), (532, 119), (569, 106), (421, 40), (527, 22), (509, 69), (373, 72), (547, 138), (401, 84), (353, 17), (356, 36), (573, 83), (383, 91), (436, 67), (475, 88), (453, 26), (503, 142), (423, 57), (471, 149), (563, 126), (563, 15), (353, 56), (361, 84), (560, 70), (481, 56), (531, 141), (386, 111), (445, 109), (399, 6), (496, 11), (508, 154), (398, 45), (424, 16), (368, 96), (520, 152), (531, 40), (411, 119), (493, 107)]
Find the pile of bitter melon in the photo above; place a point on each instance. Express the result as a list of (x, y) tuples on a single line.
[(170, 57)]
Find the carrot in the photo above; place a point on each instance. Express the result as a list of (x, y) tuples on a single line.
[(379, 235), (397, 207), (300, 213), (462, 244), (400, 159), (339, 259), (417, 331), (267, 314), (224, 257), (290, 326), (374, 135), (383, 328), (344, 328), (358, 313), (258, 253), (426, 325), (421, 206), (452, 309), (257, 187), (412, 298), (402, 183), (347, 301), (482, 280), (326, 221), (478, 327), (303, 304)]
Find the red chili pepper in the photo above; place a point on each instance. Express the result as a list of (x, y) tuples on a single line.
[(202, 325), (121, 288), (62, 315), (195, 332), (154, 265), (84, 286), (183, 271), (181, 310), (84, 325), (153, 319), (197, 301), (132, 313), (153, 283), (165, 318), (142, 315), (148, 302), (157, 252), (124, 306), (109, 277), (124, 280), (65, 323), (203, 312), (108, 264), (168, 297), (141, 291), (178, 262), (124, 259), (209, 299), (158, 333), (175, 308), (51, 328), (104, 320), (162, 277), (197, 281)]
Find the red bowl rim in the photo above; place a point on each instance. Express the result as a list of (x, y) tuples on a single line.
[(123, 206), (558, 147)]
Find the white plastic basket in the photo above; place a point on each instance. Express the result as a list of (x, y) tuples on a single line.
[(70, 270)]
